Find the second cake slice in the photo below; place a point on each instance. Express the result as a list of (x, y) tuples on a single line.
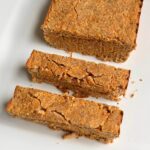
[(82, 77)]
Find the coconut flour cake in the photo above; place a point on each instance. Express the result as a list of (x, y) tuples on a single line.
[(106, 29), (85, 118), (82, 77)]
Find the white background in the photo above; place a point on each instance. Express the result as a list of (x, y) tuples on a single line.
[(20, 32)]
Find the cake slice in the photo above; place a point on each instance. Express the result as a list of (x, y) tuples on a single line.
[(106, 29), (84, 118), (82, 77)]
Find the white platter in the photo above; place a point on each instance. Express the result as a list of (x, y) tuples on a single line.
[(20, 22)]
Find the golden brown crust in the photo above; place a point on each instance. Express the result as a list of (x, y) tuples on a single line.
[(87, 118), (88, 78), (112, 22)]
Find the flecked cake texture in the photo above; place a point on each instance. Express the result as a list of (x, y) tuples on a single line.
[(82, 77), (85, 118), (106, 29)]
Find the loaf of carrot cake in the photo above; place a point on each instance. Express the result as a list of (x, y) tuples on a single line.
[(82, 77), (85, 118), (106, 29)]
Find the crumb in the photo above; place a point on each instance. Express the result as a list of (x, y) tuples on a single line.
[(132, 82), (70, 135), (66, 93), (132, 95), (57, 143), (140, 79), (117, 103)]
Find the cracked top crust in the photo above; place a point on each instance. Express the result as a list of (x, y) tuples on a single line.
[(110, 20), (88, 75), (52, 108)]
